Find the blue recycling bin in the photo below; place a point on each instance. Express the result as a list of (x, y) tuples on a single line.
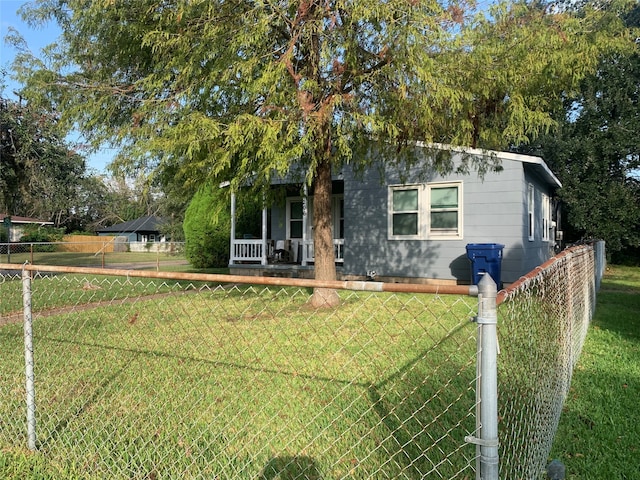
[(485, 258)]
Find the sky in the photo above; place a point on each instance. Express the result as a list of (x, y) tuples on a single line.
[(36, 39)]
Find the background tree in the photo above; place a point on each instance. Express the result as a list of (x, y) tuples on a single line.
[(42, 176), (238, 90), (38, 170), (596, 152)]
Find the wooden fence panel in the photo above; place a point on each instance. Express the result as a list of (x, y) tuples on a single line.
[(87, 244)]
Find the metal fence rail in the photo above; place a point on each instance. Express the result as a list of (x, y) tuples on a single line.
[(132, 374)]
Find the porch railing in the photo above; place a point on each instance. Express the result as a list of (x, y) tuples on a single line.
[(308, 254), (246, 250), (253, 250)]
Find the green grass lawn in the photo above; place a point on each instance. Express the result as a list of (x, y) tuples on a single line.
[(599, 432), (201, 381)]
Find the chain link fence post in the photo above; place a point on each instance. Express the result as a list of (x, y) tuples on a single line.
[(28, 360), (487, 381)]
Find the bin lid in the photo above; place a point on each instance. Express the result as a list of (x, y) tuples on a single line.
[(485, 246)]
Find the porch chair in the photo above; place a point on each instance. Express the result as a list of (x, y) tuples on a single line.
[(282, 253)]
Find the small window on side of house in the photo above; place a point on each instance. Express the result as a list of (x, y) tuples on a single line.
[(546, 217), (531, 212)]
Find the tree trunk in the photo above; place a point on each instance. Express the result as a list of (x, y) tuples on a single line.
[(325, 264)]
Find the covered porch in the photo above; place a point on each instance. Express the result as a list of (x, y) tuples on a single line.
[(266, 251), (288, 239)]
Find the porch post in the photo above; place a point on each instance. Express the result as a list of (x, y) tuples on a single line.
[(264, 232), (305, 206), (233, 227)]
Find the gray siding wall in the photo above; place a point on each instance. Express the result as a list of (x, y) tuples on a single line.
[(494, 211), (536, 251)]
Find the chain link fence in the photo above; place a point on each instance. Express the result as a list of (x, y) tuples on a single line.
[(543, 321), (165, 375), (178, 377), (102, 252)]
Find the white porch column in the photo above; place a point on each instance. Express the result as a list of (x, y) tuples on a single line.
[(233, 227), (305, 207), (264, 234)]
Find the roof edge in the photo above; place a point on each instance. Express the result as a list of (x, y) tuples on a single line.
[(516, 157)]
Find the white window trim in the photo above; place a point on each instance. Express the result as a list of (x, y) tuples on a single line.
[(291, 200), (531, 217), (445, 236), (420, 212), (546, 217), (424, 212)]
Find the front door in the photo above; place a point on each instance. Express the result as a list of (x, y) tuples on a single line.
[(297, 223)]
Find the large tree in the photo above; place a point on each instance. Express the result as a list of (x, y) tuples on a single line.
[(241, 90), (596, 150)]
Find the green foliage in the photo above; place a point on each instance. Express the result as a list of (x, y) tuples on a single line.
[(596, 151), (39, 171), (42, 234), (37, 233), (295, 78), (206, 229), (241, 91), (207, 225)]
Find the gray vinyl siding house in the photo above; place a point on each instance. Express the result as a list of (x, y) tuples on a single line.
[(412, 226)]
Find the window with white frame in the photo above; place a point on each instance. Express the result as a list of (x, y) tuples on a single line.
[(295, 215), (445, 210), (338, 216), (546, 217), (425, 211), (404, 212), (531, 211)]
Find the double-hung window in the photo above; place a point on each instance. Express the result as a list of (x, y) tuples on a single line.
[(404, 215), (445, 212), (295, 217), (546, 217), (418, 212), (531, 211)]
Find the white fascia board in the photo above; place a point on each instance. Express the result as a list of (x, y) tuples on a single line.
[(516, 157)]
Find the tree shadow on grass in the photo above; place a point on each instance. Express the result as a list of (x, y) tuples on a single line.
[(290, 468), (427, 408)]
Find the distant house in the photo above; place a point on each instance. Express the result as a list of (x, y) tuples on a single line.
[(15, 225), (141, 230), (414, 225)]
